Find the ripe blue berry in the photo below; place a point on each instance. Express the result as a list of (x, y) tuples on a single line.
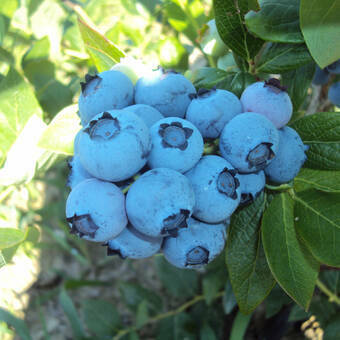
[(159, 202), (334, 93), (130, 243), (251, 186), (289, 157), (95, 210), (249, 142), (114, 145), (108, 90), (147, 113), (270, 100), (176, 144), (77, 172), (166, 91), (210, 110), (321, 76), (196, 245), (334, 67), (217, 189)]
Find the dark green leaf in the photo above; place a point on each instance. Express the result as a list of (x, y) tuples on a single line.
[(253, 5), (328, 181), (72, 315), (331, 278), (332, 330), (207, 77), (275, 301), (18, 324), (207, 333), (278, 58), (321, 132), (240, 326), (5, 56), (297, 314), (297, 82), (10, 237), (186, 283), (229, 300), (248, 270), (277, 21), (211, 283), (323, 309), (101, 317), (142, 314), (318, 222), (319, 22), (229, 16), (75, 284), (292, 267), (236, 82)]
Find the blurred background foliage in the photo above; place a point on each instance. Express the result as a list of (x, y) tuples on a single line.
[(63, 287)]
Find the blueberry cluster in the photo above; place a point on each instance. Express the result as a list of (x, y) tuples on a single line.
[(142, 177)]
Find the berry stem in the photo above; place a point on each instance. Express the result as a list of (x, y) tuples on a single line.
[(332, 297)]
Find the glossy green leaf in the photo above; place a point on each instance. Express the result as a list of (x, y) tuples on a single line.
[(229, 16), (277, 21), (249, 273), (240, 325), (328, 181), (18, 324), (318, 222), (278, 58), (297, 82), (321, 132), (59, 134), (292, 267), (101, 317), (10, 237), (319, 22)]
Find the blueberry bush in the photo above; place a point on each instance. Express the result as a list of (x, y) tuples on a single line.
[(225, 199)]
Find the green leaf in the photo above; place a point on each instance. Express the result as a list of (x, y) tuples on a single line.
[(207, 333), (332, 330), (318, 223), (102, 48), (292, 267), (229, 300), (142, 314), (211, 284), (277, 21), (240, 326), (2, 260), (10, 237), (321, 132), (186, 283), (278, 58), (101, 317), (59, 134), (248, 270), (253, 5), (328, 181), (229, 16), (72, 315), (18, 324), (17, 105), (275, 301), (8, 7), (297, 82), (319, 23)]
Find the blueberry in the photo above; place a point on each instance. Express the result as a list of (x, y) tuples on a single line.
[(147, 113), (321, 76), (268, 99), (334, 93), (251, 186), (216, 187), (95, 210), (130, 243), (249, 142), (334, 68), (77, 172), (176, 144), (210, 110), (166, 91), (196, 245), (289, 158), (159, 202), (107, 90), (114, 145)]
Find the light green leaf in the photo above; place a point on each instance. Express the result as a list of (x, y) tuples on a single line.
[(8, 7), (319, 21), (292, 267), (10, 237), (18, 324), (318, 223), (249, 273), (59, 134), (277, 21), (321, 132), (2, 260)]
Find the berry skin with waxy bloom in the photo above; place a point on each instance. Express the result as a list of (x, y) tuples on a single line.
[(147, 113), (334, 94), (249, 142), (251, 186), (196, 245), (77, 172), (108, 90), (159, 202), (176, 144), (217, 189), (95, 210), (114, 145)]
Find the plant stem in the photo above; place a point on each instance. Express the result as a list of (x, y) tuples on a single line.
[(281, 187), (332, 297), (162, 316)]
